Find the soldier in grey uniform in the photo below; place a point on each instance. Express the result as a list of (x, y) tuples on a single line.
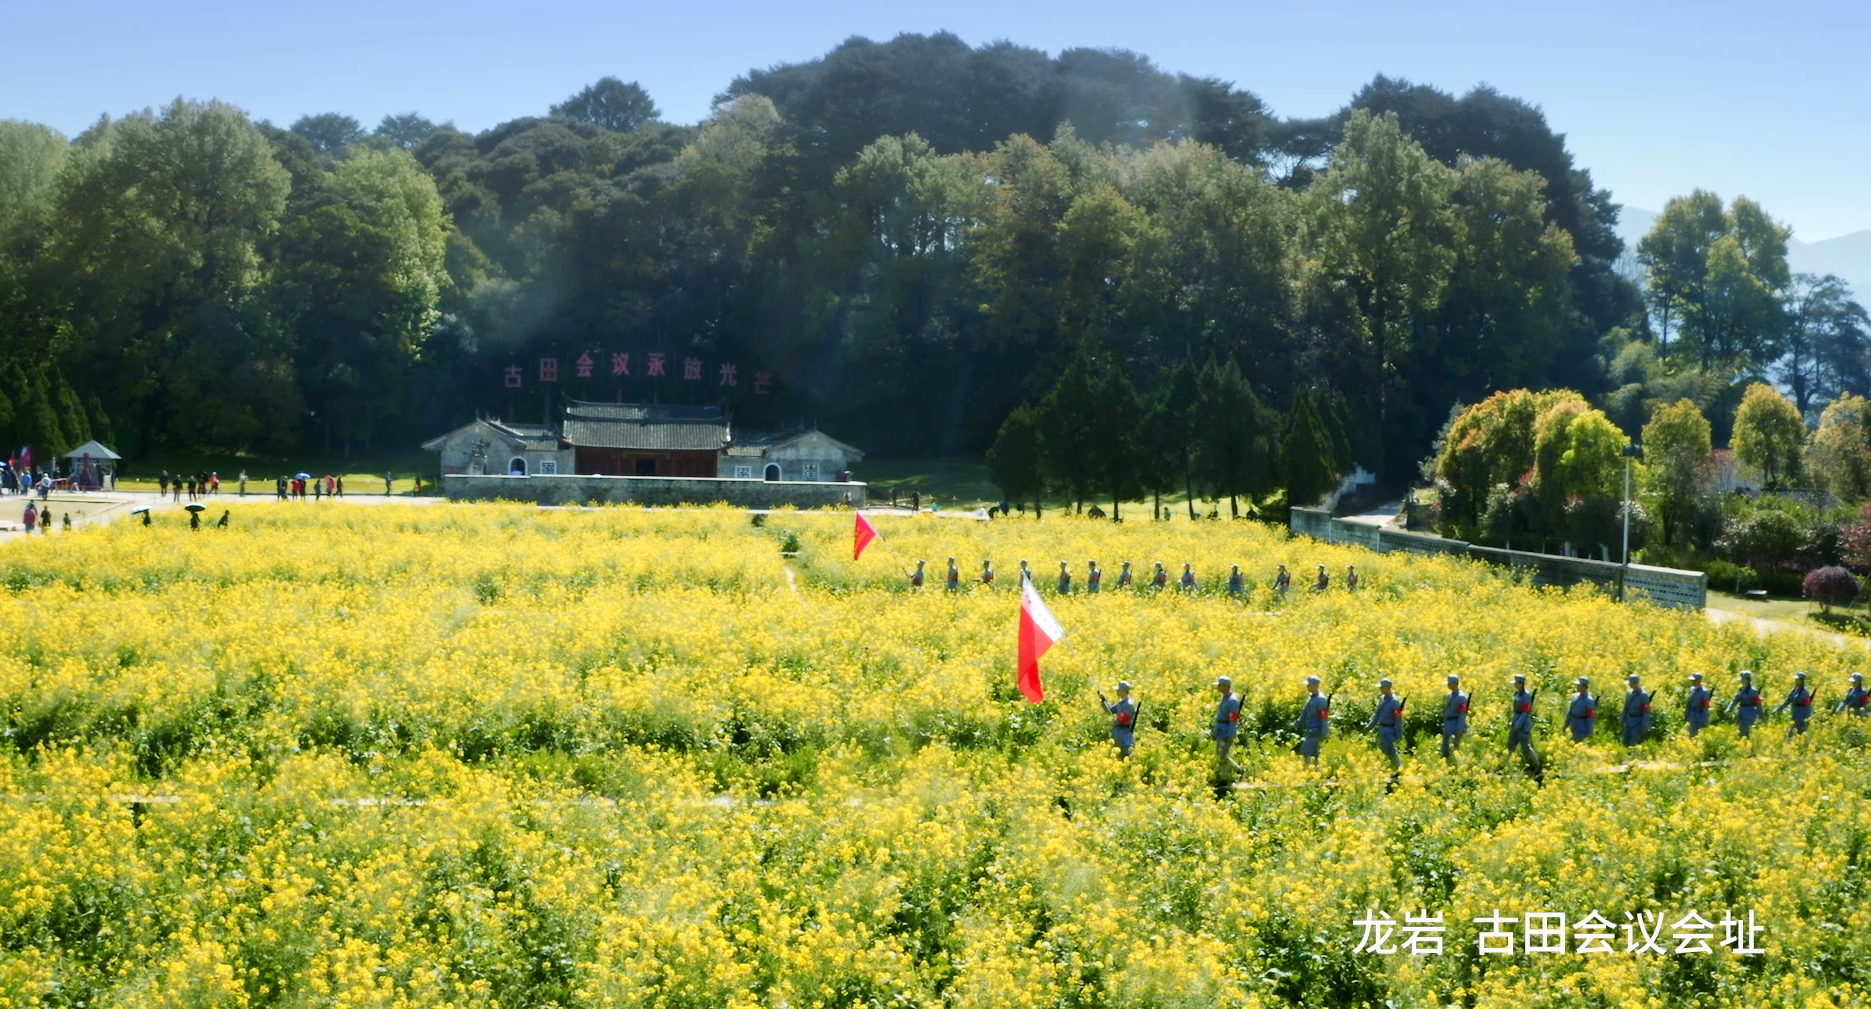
[(1696, 715), (1314, 721), (954, 576), (916, 577), (1856, 697), (1582, 714), (1746, 704), (1123, 714), (1454, 718), (1227, 726), (1123, 576), (1065, 579), (1520, 726), (1388, 721), (1636, 711), (1800, 700), (1093, 578)]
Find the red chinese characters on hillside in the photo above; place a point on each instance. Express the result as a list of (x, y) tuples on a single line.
[(654, 364)]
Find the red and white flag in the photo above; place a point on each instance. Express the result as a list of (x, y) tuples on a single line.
[(1039, 630), (862, 536)]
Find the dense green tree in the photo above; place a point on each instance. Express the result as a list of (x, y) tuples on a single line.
[(1838, 454), (1769, 434), (1236, 438), (1577, 453), (164, 218), (405, 129), (1715, 276), (610, 103), (329, 132), (1377, 232), (1015, 462), (1825, 347), (1677, 459), (361, 284)]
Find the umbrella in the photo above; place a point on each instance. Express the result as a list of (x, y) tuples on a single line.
[(140, 511), (195, 507), (302, 476)]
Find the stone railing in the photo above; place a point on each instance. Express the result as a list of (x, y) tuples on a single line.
[(652, 490)]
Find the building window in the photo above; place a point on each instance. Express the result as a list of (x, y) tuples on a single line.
[(809, 471), (743, 472), (516, 466), (548, 467), (773, 471)]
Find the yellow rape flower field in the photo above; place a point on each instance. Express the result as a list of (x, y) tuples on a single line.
[(487, 755)]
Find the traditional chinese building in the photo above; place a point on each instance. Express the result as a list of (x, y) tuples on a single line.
[(643, 440)]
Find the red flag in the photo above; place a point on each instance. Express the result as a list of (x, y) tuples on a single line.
[(864, 533), (1039, 630)]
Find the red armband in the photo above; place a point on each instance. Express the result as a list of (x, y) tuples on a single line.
[(1234, 716), (1325, 712), (1123, 719), (1591, 712), (1526, 708), (1646, 709), (1462, 708)]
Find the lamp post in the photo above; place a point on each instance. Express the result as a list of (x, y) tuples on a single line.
[(1631, 451)]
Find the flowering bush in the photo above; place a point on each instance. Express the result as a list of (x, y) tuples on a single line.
[(1831, 586), (480, 755)]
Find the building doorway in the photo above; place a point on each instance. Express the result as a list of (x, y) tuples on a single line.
[(646, 467), (773, 471), (516, 466)]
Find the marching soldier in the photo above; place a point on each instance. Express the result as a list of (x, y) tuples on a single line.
[(987, 574), (1026, 575), (954, 576), (1454, 715), (1227, 725), (1123, 714), (1093, 577), (1351, 578), (1388, 721), (1800, 700), (1746, 704), (1520, 726), (1697, 714), (1582, 715), (1161, 579), (1324, 582), (1123, 576), (1856, 697), (1314, 721), (1065, 579), (1636, 711), (1234, 580), (916, 576), (1187, 581), (1282, 580)]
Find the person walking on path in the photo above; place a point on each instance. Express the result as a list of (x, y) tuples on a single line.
[(1123, 712), (1227, 726), (1388, 721)]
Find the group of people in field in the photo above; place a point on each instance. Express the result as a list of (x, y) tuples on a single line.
[(1159, 579), (1314, 723)]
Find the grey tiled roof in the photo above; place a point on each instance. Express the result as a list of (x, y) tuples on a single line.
[(646, 427)]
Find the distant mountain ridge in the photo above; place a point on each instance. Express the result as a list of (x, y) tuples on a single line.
[(1849, 256)]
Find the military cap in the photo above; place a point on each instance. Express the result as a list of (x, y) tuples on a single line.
[(1312, 681), (1633, 678), (1582, 682), (1385, 682), (1520, 677), (1223, 681), (1123, 684), (1453, 678)]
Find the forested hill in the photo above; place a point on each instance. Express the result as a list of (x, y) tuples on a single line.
[(903, 241)]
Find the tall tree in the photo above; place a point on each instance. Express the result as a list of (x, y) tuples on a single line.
[(613, 104), (166, 214), (1677, 458), (1715, 276), (1377, 232), (1838, 455), (1769, 434), (1016, 461), (329, 132), (1236, 438), (1825, 347), (405, 129)]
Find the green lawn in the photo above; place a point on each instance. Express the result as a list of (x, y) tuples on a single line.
[(1793, 611), (362, 473), (962, 482)]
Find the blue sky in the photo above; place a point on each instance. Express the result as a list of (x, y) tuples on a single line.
[(1656, 99)]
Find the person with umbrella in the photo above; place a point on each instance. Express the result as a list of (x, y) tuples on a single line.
[(144, 511)]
